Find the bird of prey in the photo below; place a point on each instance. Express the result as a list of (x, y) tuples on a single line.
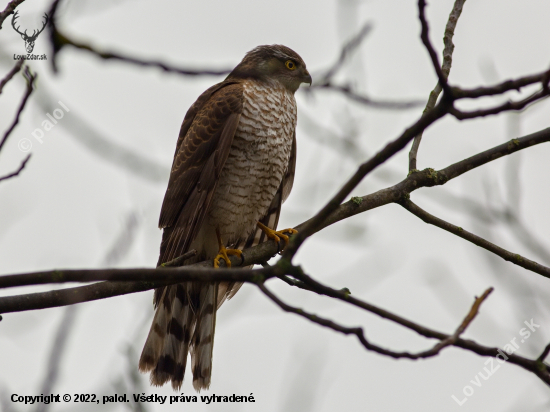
[(233, 168)]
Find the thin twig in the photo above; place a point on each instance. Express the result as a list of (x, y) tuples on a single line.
[(476, 240), (527, 364), (365, 100), (30, 78), (21, 167), (9, 10), (504, 149), (102, 290), (60, 40), (544, 353), (445, 68), (425, 37), (451, 340), (11, 73), (308, 283), (179, 260), (350, 46), (429, 178), (502, 87), (508, 106), (357, 331)]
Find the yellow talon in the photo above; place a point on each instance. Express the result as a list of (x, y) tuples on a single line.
[(224, 252), (277, 235)]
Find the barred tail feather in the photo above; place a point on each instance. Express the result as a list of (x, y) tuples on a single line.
[(180, 332), (203, 337), (166, 348), (157, 333)]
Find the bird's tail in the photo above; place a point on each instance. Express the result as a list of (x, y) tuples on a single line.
[(203, 337), (165, 351)]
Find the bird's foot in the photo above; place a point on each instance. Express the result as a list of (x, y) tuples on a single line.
[(277, 235), (224, 253)]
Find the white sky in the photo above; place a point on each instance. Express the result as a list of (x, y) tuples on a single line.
[(73, 200)]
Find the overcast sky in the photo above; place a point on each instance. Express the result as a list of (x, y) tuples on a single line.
[(100, 175)]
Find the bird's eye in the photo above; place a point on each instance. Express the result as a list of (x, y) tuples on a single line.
[(290, 65)]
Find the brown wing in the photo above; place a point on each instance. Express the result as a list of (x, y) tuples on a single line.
[(202, 149)]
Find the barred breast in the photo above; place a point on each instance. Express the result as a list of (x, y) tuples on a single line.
[(257, 160)]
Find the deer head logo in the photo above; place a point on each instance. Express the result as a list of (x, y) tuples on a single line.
[(29, 40)]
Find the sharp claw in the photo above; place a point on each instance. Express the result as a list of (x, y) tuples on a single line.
[(277, 236)]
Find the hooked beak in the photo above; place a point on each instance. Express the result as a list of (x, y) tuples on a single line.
[(306, 78)]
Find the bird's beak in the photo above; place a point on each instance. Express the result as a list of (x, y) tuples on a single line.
[(307, 78)]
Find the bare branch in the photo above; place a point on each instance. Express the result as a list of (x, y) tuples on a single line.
[(512, 146), (544, 354), (476, 240), (21, 167), (508, 106), (179, 260), (11, 73), (527, 364), (9, 10), (160, 274), (428, 178), (425, 37), (346, 51), (306, 282), (30, 78), (445, 68), (451, 340), (502, 87), (60, 40), (254, 255), (365, 100), (391, 148), (357, 331)]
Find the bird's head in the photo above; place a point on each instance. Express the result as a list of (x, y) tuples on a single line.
[(275, 62)]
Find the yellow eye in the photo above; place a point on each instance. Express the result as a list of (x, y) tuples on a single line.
[(290, 65)]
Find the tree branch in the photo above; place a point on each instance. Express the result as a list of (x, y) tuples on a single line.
[(313, 225), (255, 255), (425, 37), (429, 178), (21, 167), (350, 46), (9, 10), (502, 87), (445, 340), (11, 73), (365, 100), (160, 274), (445, 69), (544, 354), (30, 78), (476, 240), (508, 106), (59, 40)]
